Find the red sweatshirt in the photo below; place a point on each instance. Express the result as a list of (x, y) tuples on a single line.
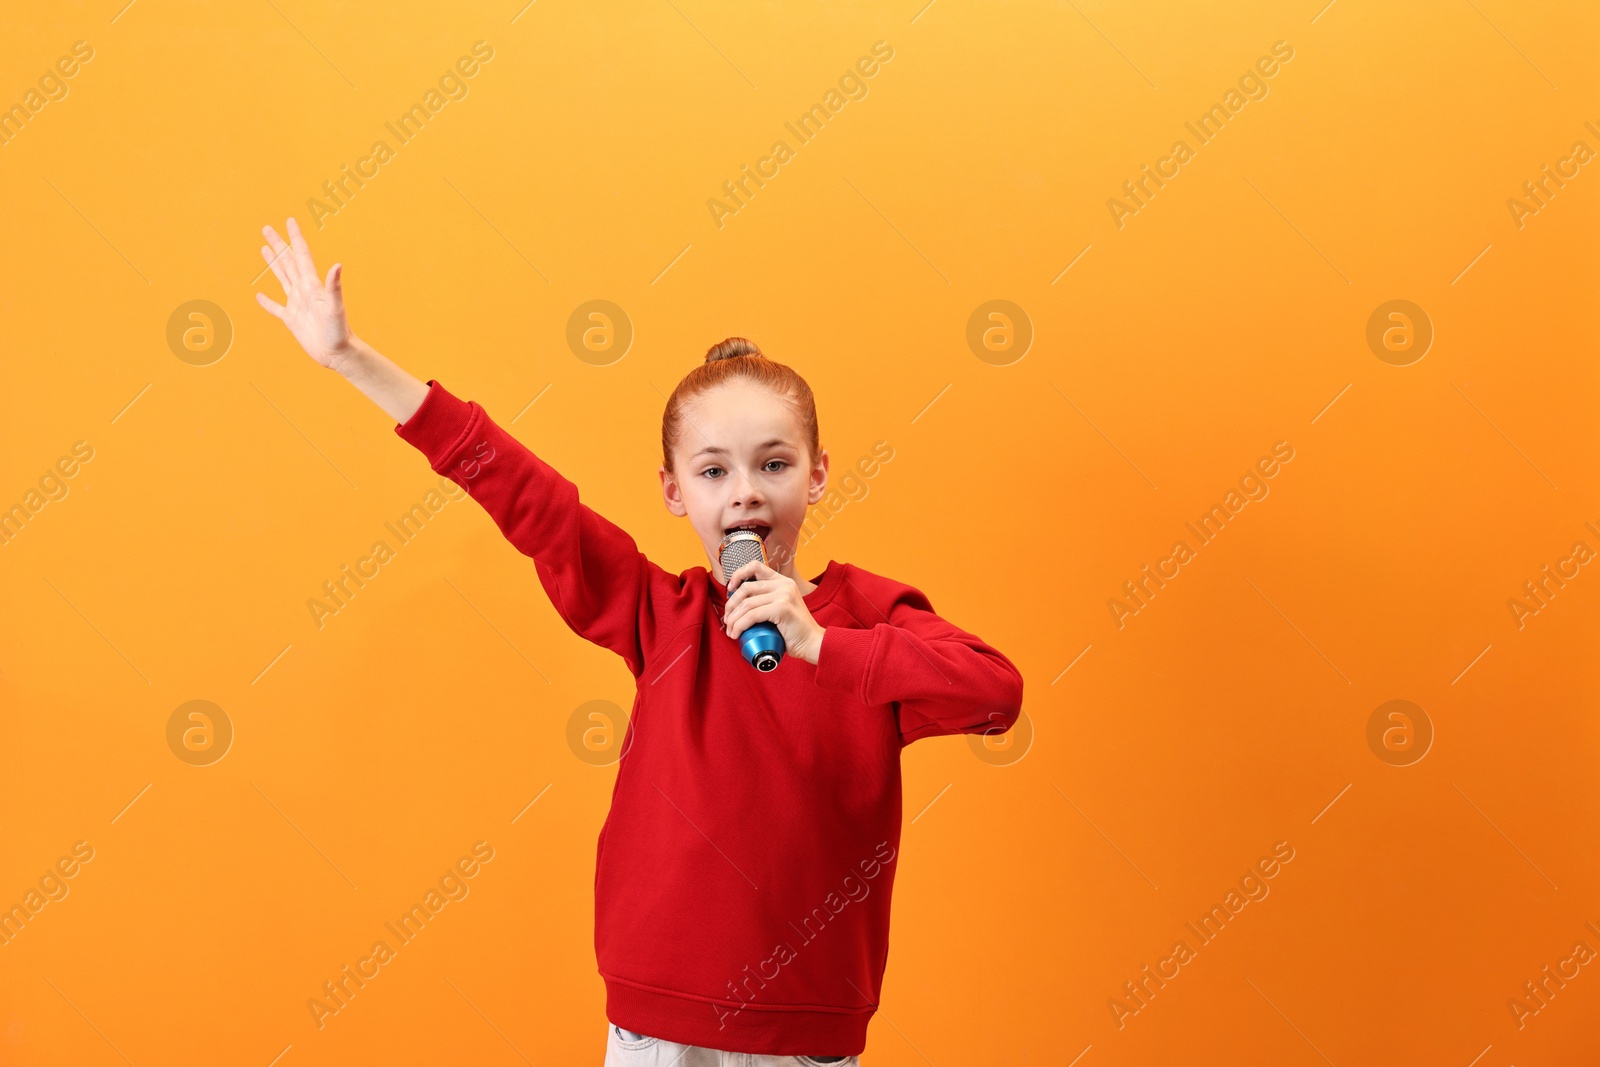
[(743, 875)]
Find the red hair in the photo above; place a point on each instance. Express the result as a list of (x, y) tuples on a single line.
[(734, 360)]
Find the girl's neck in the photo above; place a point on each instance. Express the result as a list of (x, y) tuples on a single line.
[(791, 571)]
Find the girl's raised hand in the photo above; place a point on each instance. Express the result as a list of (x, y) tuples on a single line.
[(314, 311)]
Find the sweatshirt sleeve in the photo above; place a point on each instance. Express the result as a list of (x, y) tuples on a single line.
[(941, 679), (599, 582)]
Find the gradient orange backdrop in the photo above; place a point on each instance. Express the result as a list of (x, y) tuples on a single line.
[(1229, 313)]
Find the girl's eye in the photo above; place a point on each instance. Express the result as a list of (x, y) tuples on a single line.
[(708, 472)]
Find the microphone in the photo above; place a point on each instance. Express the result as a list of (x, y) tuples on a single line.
[(762, 643)]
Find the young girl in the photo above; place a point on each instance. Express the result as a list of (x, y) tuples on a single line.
[(743, 874)]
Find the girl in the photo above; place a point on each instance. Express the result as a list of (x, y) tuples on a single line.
[(743, 873)]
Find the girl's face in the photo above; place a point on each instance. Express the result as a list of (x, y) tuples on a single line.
[(742, 459)]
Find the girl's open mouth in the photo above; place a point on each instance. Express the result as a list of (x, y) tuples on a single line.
[(756, 528)]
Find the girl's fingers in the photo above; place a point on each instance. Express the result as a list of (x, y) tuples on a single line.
[(737, 620), (282, 253), (756, 597), (739, 596), (271, 305), (753, 571), (740, 621), (302, 252), (277, 270)]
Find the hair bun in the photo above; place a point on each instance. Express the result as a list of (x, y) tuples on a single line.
[(732, 347)]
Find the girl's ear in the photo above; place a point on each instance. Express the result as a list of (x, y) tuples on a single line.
[(819, 479), (671, 494)]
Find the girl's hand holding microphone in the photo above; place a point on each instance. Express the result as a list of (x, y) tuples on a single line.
[(761, 594), (314, 313)]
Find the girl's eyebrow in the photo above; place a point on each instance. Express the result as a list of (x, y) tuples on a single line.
[(720, 451)]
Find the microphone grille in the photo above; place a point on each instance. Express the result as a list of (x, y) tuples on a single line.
[(737, 550)]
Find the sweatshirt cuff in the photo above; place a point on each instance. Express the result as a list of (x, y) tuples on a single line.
[(844, 659), (439, 426)]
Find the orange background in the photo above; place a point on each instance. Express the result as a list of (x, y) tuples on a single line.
[(1226, 315)]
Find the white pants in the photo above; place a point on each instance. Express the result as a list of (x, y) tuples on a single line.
[(624, 1048)]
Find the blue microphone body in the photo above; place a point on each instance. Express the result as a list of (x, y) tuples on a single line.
[(761, 644)]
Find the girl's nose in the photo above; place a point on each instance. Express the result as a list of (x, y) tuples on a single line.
[(746, 492)]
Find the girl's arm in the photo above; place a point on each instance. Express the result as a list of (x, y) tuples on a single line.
[(941, 679), (388, 385), (599, 582), (601, 585)]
